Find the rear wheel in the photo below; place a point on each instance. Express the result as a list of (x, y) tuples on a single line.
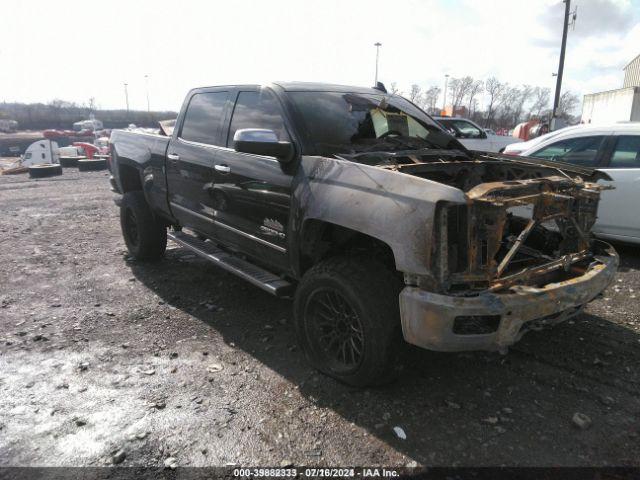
[(42, 171), (145, 236), (348, 321)]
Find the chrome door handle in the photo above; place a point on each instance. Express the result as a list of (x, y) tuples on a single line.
[(222, 168), (173, 156)]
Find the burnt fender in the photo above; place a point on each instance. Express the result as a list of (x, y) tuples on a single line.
[(395, 208)]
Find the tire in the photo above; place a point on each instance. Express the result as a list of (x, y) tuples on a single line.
[(364, 294), (146, 238), (90, 165), (43, 171), (68, 162)]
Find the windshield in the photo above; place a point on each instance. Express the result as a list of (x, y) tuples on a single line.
[(338, 122)]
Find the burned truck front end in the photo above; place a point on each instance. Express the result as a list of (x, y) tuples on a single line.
[(517, 256)]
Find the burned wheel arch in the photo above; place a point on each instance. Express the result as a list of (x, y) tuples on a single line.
[(321, 240), (395, 210)]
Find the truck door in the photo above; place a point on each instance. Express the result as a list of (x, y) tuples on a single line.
[(617, 213), (191, 156), (253, 192)]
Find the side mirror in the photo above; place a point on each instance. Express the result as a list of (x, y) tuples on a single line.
[(261, 141)]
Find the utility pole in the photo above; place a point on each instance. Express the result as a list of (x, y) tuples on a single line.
[(377, 45), (126, 97), (444, 100), (565, 27), (146, 83)]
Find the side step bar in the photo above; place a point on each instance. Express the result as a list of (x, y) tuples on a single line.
[(248, 271)]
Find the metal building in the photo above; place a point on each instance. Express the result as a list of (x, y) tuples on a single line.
[(632, 73)]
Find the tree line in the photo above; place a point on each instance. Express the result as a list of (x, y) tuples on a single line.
[(504, 105), (491, 103), (61, 114)]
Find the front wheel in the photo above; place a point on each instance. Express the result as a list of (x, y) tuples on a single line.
[(145, 236), (348, 321)]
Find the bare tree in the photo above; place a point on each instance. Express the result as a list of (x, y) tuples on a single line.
[(459, 89), (567, 105), (541, 97), (506, 105), (415, 93), (494, 89), (394, 89), (431, 96), (474, 90), (525, 94), (58, 107)]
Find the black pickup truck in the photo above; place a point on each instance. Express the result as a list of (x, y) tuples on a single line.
[(374, 219)]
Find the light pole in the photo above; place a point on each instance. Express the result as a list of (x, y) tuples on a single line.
[(563, 47), (377, 45), (146, 84), (444, 100), (126, 97)]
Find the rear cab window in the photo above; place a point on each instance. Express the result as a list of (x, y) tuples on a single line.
[(203, 118)]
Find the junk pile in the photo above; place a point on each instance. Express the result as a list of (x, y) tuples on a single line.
[(44, 158)]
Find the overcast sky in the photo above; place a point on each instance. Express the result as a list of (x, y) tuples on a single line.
[(74, 50)]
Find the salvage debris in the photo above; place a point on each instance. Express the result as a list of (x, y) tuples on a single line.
[(581, 420), (214, 367), (607, 400), (400, 433), (118, 457)]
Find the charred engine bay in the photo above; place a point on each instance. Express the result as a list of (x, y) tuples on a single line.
[(523, 223)]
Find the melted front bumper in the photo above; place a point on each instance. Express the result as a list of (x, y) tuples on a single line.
[(428, 318)]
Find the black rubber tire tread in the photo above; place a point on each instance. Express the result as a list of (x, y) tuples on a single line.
[(152, 233), (67, 162), (43, 171), (90, 165), (373, 290)]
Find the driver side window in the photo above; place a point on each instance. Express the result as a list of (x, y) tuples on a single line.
[(581, 151)]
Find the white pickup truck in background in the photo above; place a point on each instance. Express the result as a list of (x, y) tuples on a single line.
[(473, 136)]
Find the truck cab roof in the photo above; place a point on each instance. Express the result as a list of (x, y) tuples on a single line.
[(303, 87)]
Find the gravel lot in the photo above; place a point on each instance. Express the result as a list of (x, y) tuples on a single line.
[(106, 360)]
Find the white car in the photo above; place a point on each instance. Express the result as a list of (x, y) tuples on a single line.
[(614, 149), (473, 136)]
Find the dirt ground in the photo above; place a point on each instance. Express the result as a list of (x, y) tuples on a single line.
[(106, 360)]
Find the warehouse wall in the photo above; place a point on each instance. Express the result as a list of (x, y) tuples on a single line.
[(611, 106)]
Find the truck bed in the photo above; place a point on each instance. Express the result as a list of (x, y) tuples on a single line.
[(146, 153)]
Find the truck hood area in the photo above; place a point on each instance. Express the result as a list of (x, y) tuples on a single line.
[(524, 222)]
